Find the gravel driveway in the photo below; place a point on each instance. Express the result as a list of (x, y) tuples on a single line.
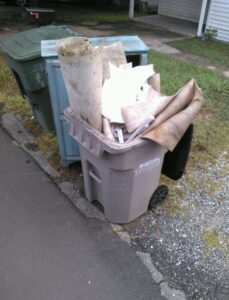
[(187, 238)]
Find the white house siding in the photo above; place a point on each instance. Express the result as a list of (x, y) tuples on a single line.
[(218, 18), (188, 10)]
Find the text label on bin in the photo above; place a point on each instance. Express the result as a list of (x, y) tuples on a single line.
[(147, 166)]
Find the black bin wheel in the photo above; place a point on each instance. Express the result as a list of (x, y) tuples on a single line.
[(158, 196)]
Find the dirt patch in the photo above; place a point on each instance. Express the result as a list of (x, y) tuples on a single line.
[(200, 61), (90, 31)]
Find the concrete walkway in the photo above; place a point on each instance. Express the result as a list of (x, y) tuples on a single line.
[(171, 24), (49, 251)]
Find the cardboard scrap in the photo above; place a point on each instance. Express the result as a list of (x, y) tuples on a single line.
[(112, 54), (172, 122)]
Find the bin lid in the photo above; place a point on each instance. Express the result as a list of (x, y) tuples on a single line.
[(131, 44), (26, 45)]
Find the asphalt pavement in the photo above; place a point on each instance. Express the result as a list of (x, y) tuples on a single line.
[(50, 251)]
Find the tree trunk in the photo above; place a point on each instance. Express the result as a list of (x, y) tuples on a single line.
[(131, 9)]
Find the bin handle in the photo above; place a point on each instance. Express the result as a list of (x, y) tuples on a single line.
[(94, 176)]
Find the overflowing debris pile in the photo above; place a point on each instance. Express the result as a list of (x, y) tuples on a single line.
[(122, 101)]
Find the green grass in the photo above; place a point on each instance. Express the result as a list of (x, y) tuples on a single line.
[(78, 15), (4, 18), (214, 51), (211, 135), (211, 125), (10, 94), (9, 17)]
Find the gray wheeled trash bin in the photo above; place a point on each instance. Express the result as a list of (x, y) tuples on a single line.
[(122, 177), (23, 55)]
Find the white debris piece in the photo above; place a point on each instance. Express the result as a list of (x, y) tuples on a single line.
[(124, 88)]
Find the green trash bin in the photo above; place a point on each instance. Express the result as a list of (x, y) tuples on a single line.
[(22, 52)]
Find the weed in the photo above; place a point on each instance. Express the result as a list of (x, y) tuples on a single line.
[(210, 33), (173, 202), (47, 143), (4, 18), (31, 125), (211, 241)]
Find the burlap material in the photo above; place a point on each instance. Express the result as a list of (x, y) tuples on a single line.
[(172, 122)]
